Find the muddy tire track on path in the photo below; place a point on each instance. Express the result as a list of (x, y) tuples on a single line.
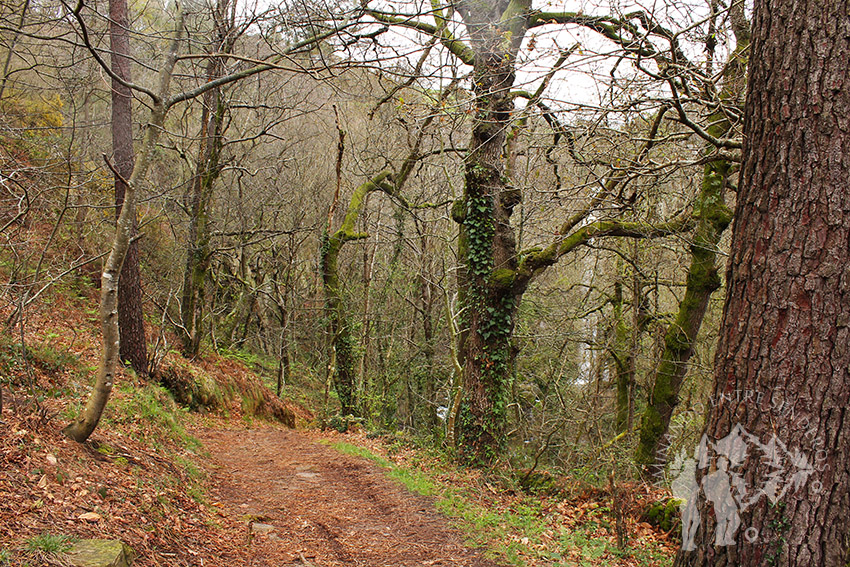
[(327, 509)]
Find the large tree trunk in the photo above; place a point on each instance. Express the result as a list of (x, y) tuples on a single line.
[(487, 244), (133, 348), (782, 384)]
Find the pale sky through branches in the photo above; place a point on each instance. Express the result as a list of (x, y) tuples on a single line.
[(595, 75)]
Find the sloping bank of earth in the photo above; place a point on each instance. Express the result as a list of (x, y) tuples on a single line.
[(307, 504)]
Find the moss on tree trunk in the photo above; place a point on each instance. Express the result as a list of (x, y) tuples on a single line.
[(198, 201), (341, 338), (713, 216)]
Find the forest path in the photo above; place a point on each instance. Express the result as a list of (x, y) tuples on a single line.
[(327, 509)]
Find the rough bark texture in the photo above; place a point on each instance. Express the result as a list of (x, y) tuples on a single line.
[(487, 242), (785, 336), (133, 348)]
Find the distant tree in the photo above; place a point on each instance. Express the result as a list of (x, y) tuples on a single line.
[(495, 272), (712, 217), (628, 289), (783, 362), (10, 47)]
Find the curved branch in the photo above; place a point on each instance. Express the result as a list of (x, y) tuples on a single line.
[(727, 143), (606, 26), (76, 12), (533, 262), (457, 47), (272, 64), (221, 81)]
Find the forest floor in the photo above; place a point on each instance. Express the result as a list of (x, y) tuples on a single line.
[(229, 489), (248, 496), (307, 504)]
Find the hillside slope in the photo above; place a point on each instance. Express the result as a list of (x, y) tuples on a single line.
[(141, 475)]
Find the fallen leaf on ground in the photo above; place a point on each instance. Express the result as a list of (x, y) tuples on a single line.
[(89, 517)]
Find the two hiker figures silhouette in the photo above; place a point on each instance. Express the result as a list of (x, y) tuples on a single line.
[(731, 482)]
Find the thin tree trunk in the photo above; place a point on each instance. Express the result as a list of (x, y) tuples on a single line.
[(133, 348), (341, 338), (622, 357), (11, 52), (80, 429), (284, 369), (713, 216), (198, 202), (703, 280), (338, 325), (366, 324), (428, 387)]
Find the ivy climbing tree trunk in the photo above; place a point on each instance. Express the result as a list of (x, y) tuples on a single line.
[(493, 274), (487, 244), (779, 423), (712, 216), (133, 348)]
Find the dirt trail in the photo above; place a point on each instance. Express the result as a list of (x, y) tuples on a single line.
[(327, 509)]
